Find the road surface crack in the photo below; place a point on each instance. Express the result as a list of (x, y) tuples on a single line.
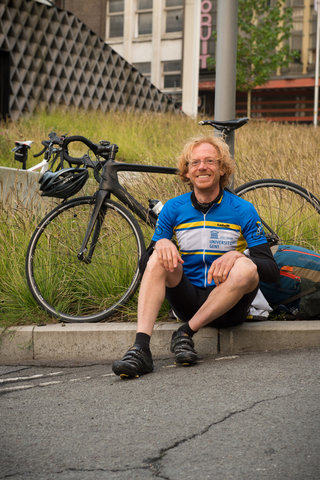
[(155, 462)]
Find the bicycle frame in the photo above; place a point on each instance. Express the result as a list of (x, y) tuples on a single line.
[(109, 184)]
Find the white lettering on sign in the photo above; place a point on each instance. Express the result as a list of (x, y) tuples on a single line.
[(205, 31)]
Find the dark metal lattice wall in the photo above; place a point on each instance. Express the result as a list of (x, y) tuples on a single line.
[(55, 59)]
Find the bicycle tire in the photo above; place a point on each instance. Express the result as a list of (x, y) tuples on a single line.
[(75, 291), (290, 210)]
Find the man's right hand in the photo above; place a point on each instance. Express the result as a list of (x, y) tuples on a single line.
[(168, 254)]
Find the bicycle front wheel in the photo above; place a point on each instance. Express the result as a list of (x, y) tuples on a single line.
[(78, 291), (287, 210)]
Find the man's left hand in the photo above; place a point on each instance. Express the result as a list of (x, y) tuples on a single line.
[(221, 267)]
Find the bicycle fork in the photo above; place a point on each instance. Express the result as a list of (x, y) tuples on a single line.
[(95, 223)]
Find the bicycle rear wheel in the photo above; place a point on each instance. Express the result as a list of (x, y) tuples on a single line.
[(290, 211), (73, 290)]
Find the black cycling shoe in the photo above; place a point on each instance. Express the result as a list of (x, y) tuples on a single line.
[(183, 347), (135, 362)]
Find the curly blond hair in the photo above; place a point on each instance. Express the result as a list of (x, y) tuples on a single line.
[(225, 160)]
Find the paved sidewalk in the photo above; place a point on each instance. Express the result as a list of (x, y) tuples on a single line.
[(104, 342)]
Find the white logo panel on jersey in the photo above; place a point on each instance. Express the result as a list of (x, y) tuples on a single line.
[(200, 239)]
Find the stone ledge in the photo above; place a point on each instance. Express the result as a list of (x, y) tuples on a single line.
[(268, 336), (16, 345), (104, 342)]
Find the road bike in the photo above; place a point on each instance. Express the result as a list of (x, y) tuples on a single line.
[(52, 152), (82, 262)]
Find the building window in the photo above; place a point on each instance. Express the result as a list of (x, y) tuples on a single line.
[(144, 16), (171, 74), (174, 16), (115, 18), (144, 68), (297, 19)]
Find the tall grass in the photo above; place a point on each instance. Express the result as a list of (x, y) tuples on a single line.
[(273, 150), (261, 150), (16, 302), (145, 138)]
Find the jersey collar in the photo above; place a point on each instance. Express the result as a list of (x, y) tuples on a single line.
[(204, 207)]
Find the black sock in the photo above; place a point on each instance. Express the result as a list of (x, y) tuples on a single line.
[(143, 340), (185, 328)]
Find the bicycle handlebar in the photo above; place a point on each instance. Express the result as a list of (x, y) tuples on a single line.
[(53, 140), (40, 153), (105, 149)]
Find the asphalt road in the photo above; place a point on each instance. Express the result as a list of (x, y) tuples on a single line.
[(246, 417)]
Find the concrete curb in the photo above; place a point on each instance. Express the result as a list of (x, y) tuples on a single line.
[(104, 342)]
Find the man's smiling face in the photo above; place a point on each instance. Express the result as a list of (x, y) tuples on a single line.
[(204, 170)]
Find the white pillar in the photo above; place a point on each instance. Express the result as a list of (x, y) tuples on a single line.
[(191, 57)]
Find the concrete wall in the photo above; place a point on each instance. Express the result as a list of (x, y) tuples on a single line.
[(55, 59), (19, 187)]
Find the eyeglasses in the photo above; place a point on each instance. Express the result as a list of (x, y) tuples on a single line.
[(208, 162)]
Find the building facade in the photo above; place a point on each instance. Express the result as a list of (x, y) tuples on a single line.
[(289, 94), (147, 33), (155, 37), (150, 35)]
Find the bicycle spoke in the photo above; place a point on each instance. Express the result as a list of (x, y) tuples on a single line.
[(288, 209)]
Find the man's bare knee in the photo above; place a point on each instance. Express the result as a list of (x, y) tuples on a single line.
[(244, 274), (157, 271), (153, 262)]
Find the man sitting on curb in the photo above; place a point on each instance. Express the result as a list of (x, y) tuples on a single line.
[(206, 279)]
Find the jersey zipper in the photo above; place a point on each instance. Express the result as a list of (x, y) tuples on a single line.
[(204, 251)]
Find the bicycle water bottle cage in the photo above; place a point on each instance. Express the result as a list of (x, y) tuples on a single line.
[(63, 183)]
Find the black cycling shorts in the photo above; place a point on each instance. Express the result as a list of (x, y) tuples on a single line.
[(186, 299)]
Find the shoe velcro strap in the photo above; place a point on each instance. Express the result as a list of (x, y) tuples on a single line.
[(133, 355), (183, 342)]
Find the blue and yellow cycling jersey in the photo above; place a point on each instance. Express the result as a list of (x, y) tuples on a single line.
[(230, 224)]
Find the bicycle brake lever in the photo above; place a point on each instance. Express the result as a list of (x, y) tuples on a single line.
[(87, 162), (54, 139)]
